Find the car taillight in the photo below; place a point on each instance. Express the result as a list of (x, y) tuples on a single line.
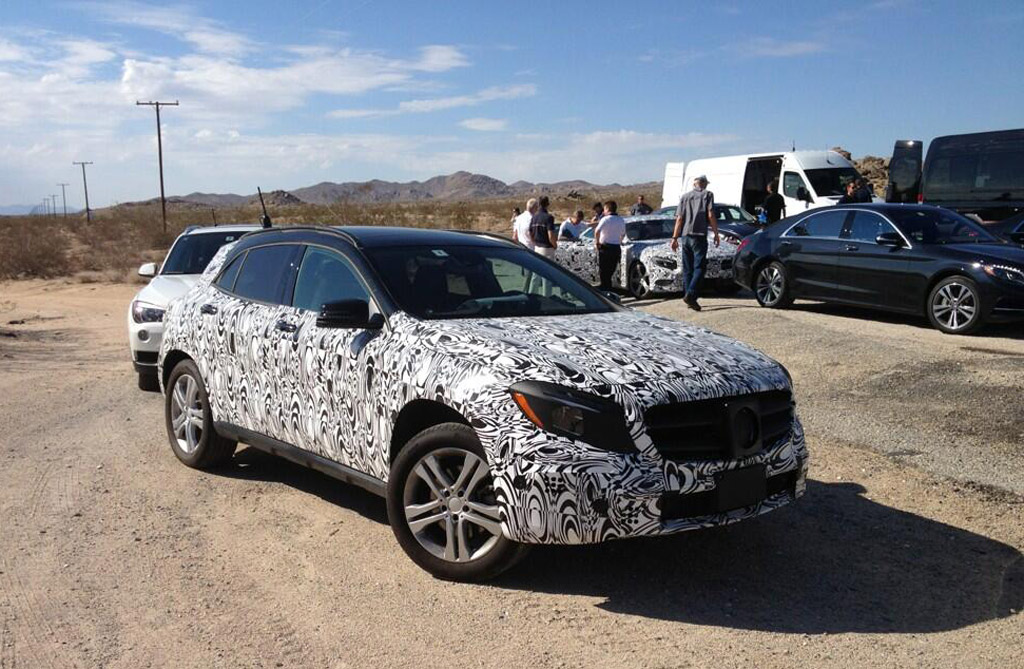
[(920, 198), (744, 244)]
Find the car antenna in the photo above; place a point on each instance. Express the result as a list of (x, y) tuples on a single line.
[(265, 219), (214, 213), (827, 159)]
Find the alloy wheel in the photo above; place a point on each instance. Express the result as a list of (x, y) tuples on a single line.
[(187, 413), (770, 284), (954, 306), (450, 505), (639, 280)]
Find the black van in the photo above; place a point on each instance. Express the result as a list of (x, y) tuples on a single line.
[(980, 173)]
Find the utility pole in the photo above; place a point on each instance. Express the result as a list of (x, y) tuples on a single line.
[(46, 207), (160, 152), (54, 200), (64, 198), (85, 185)]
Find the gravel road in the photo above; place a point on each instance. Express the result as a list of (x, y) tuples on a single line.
[(906, 550)]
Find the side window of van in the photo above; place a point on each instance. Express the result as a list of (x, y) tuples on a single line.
[(791, 183)]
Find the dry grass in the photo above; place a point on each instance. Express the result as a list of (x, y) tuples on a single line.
[(119, 239)]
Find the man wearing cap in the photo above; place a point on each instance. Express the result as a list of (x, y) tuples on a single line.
[(695, 213)]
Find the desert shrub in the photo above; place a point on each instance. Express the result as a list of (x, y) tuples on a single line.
[(32, 246)]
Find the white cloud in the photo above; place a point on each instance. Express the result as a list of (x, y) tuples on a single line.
[(11, 52), (485, 124), (491, 94), (773, 48), (177, 21), (440, 58)]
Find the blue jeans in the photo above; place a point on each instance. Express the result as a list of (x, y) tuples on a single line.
[(695, 252)]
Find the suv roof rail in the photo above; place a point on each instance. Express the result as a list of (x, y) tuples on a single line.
[(190, 228)]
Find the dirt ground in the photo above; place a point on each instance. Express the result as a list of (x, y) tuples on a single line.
[(906, 550)]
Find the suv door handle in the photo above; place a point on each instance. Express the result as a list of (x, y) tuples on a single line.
[(208, 309), (851, 247), (285, 326)]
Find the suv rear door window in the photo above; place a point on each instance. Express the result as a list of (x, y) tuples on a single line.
[(326, 277), (267, 273), (228, 274)]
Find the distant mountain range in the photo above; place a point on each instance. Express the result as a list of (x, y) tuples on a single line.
[(25, 209), (457, 186)]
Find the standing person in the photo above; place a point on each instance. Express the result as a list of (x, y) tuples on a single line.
[(863, 193), (573, 226), (608, 240), (641, 208), (521, 226), (598, 211), (695, 213), (542, 230), (774, 205), (512, 221), (851, 193)]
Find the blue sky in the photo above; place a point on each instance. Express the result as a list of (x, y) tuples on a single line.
[(287, 95)]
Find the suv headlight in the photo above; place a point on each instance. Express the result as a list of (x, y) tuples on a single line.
[(144, 312), (1004, 272), (575, 414), (666, 263)]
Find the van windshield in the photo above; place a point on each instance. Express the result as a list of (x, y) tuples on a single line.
[(831, 180), (975, 169)]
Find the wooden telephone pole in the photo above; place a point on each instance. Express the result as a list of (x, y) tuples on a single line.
[(85, 185), (160, 152), (64, 198)]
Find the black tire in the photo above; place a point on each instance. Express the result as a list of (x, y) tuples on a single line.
[(954, 306), (197, 445), (771, 286), (149, 382), (638, 282), (446, 510)]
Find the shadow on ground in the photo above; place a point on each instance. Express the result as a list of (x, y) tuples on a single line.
[(1013, 330), (834, 562)]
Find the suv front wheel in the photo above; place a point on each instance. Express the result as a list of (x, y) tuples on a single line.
[(190, 421), (443, 509)]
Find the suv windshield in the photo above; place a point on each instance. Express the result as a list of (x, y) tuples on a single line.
[(447, 281), (192, 253), (939, 226), (639, 231), (831, 180)]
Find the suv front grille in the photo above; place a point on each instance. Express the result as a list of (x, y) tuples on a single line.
[(707, 429)]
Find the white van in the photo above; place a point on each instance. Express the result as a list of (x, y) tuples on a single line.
[(807, 179)]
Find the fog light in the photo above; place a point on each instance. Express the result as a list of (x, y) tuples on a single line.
[(143, 335)]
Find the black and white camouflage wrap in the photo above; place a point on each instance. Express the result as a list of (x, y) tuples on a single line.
[(338, 393), (663, 266)]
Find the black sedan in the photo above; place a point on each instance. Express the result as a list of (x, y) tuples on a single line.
[(907, 258)]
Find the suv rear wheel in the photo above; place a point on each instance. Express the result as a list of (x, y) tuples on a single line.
[(190, 421), (443, 509), (771, 286)]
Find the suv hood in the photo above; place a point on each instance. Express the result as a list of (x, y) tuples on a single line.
[(166, 287), (584, 351)]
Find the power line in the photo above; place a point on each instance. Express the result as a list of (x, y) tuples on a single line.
[(160, 152), (85, 185), (64, 198)]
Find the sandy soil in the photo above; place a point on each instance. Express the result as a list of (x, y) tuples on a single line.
[(112, 554)]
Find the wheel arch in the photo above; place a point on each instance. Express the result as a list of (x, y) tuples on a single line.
[(171, 361), (417, 416)]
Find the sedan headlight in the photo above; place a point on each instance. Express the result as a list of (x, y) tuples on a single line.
[(575, 414), (1004, 272), (144, 312), (666, 263)]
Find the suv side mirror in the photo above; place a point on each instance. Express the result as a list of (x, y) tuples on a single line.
[(352, 314), (613, 296), (804, 195), (892, 239), (148, 270)]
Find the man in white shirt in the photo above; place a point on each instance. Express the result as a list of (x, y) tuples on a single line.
[(608, 239), (573, 226), (521, 226)]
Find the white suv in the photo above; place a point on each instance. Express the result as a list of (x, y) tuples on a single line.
[(185, 262)]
